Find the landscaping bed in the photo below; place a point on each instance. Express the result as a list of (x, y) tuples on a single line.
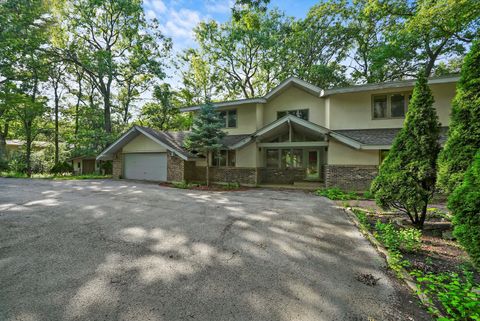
[(202, 187)]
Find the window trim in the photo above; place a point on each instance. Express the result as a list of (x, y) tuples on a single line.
[(279, 157), (227, 111), (294, 110), (227, 158), (406, 94)]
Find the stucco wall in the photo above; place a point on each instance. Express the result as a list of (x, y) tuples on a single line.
[(341, 154), (142, 144), (353, 110), (295, 98), (247, 156)]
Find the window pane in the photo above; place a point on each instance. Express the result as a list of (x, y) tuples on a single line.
[(280, 114), (223, 116), (398, 105), (297, 158), (232, 118), (303, 114), (272, 158), (286, 158), (379, 106), (223, 158), (231, 158)]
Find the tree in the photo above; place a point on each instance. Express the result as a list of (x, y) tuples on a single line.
[(163, 114), (406, 179), (464, 203), (464, 130), (56, 76), (113, 45), (206, 134)]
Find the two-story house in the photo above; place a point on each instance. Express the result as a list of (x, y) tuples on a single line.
[(296, 132)]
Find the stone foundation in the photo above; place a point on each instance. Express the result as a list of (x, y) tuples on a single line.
[(350, 177), (281, 176), (175, 168), (117, 166), (234, 175)]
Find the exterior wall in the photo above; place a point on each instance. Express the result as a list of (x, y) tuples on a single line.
[(233, 175), (295, 98), (143, 144), (280, 176), (246, 119), (354, 110), (350, 177), (175, 168), (247, 156), (117, 166), (341, 154)]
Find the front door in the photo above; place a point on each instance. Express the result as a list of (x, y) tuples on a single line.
[(313, 164)]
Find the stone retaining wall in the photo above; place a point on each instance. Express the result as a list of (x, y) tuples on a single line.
[(280, 176), (350, 177)]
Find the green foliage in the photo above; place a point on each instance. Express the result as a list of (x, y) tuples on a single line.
[(362, 217), (406, 179), (396, 262), (464, 129), (336, 193), (409, 240), (61, 167), (464, 203), (458, 296), (183, 185)]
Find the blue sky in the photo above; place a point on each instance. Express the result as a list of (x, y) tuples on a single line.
[(178, 17)]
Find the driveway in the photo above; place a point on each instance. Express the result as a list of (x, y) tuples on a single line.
[(119, 250)]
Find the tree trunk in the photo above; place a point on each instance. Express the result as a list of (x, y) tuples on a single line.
[(57, 100), (208, 169), (107, 112), (3, 145), (28, 151)]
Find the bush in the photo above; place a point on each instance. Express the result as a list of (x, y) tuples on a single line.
[(182, 184), (336, 194), (362, 217), (457, 295), (465, 206), (61, 167), (409, 240)]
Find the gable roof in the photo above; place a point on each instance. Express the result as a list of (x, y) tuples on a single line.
[(287, 83)]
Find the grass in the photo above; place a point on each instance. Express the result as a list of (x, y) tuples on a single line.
[(53, 176)]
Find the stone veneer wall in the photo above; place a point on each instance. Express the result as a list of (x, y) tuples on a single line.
[(350, 177), (175, 168), (117, 168), (281, 176), (233, 175)]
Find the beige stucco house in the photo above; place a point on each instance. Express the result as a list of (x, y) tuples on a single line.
[(297, 132)]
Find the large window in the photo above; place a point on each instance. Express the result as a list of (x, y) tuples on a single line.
[(284, 158), (389, 106), (300, 113), (224, 158), (229, 118)]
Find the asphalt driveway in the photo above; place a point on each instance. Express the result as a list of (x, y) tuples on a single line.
[(118, 250)]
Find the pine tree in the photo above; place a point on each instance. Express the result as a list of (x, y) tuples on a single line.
[(464, 132), (464, 202), (206, 134), (406, 179)]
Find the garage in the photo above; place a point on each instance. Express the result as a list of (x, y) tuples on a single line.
[(146, 166)]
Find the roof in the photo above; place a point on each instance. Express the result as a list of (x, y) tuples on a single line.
[(316, 91), (18, 142), (388, 85), (377, 138), (172, 141), (292, 81)]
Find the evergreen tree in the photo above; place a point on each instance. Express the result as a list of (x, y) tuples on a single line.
[(206, 134), (464, 202), (464, 132), (406, 180)]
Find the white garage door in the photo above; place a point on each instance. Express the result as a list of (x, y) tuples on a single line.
[(150, 167)]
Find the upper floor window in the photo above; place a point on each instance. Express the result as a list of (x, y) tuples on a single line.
[(229, 118), (389, 105), (224, 158), (300, 113)]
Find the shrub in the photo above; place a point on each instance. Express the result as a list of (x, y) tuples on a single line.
[(182, 184), (465, 206), (464, 129), (362, 217), (61, 168), (409, 240), (336, 194), (406, 179), (457, 295)]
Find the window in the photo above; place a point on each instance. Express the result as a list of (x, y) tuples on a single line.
[(389, 106), (224, 158), (78, 165), (284, 158), (300, 113), (229, 118)]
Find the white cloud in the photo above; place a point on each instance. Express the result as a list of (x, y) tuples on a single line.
[(180, 24), (156, 5), (221, 6)]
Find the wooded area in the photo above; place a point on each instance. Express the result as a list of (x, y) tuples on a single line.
[(77, 73)]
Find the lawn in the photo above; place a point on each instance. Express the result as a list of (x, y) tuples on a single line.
[(66, 176)]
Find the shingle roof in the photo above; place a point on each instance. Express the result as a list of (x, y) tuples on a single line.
[(379, 136)]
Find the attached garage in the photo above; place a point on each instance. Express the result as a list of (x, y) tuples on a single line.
[(146, 166)]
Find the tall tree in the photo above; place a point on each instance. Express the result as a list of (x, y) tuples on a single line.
[(406, 179), (464, 130), (112, 43), (206, 134), (56, 76)]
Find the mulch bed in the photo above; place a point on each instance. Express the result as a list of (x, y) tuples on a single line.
[(211, 188)]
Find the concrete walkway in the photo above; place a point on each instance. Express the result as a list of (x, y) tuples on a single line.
[(118, 250)]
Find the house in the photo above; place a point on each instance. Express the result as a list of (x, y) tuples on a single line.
[(14, 146), (297, 132), (83, 165)]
